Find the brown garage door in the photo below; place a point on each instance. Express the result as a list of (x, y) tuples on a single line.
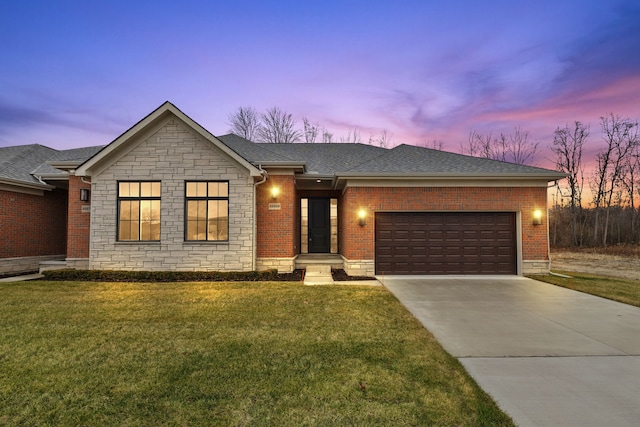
[(445, 243)]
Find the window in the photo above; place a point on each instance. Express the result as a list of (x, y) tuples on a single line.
[(207, 211), (138, 211)]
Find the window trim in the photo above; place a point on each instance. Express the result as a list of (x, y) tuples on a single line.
[(204, 198), (138, 198)]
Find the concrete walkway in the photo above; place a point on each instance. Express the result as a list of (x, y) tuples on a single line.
[(21, 278), (549, 356)]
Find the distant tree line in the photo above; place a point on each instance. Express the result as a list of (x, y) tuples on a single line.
[(611, 215)]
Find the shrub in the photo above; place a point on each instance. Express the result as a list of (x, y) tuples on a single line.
[(160, 276)]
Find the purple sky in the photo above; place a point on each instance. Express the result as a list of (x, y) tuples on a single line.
[(79, 73)]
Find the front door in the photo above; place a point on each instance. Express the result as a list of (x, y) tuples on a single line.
[(319, 226)]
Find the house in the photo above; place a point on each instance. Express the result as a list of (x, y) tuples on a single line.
[(168, 195)]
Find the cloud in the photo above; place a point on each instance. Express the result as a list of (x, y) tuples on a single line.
[(608, 53), (15, 116)]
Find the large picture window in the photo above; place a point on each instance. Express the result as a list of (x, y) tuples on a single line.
[(207, 211), (138, 211)]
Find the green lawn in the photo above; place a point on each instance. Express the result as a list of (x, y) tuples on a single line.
[(228, 354), (622, 290)]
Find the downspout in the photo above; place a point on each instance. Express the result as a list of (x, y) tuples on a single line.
[(555, 184), (254, 249)]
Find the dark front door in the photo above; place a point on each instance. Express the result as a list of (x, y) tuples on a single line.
[(319, 226)]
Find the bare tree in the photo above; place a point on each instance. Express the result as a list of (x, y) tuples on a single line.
[(310, 131), (278, 127), (567, 146), (479, 145), (353, 136), (520, 149), (327, 137), (631, 184), (245, 122), (434, 144), (514, 147), (384, 140), (620, 137)]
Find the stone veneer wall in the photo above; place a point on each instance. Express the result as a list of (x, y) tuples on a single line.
[(172, 155), (283, 265)]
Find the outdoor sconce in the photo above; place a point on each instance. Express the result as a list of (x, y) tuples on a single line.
[(274, 192), (362, 216), (84, 195), (537, 217)]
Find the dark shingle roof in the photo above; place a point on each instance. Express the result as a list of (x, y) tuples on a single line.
[(16, 163), (325, 159), (328, 159), (252, 152), (78, 155), (25, 162), (360, 159), (409, 159)]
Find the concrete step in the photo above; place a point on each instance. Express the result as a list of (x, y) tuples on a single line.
[(305, 261), (318, 275), (315, 270)]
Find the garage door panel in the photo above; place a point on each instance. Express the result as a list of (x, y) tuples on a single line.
[(445, 243)]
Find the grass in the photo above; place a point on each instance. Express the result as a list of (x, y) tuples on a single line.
[(228, 354), (622, 290), (632, 251)]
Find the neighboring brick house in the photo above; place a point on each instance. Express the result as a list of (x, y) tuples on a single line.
[(33, 205), (168, 195)]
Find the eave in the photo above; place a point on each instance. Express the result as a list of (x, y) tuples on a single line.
[(294, 166), (8, 184), (65, 165), (549, 176), (447, 179)]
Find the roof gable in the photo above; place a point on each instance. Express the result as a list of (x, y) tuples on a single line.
[(121, 144)]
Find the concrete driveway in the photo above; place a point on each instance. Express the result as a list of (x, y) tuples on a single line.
[(549, 356)]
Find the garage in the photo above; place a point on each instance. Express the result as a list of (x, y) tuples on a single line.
[(445, 243)]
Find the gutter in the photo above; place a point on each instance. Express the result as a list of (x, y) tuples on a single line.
[(452, 175), (40, 185)]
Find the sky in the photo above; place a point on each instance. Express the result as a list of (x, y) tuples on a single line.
[(80, 73)]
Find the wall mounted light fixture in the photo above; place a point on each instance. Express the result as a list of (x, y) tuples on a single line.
[(84, 195), (537, 217), (362, 216), (274, 192)]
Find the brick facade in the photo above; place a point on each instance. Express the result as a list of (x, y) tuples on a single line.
[(278, 232), (278, 236), (33, 226), (79, 222), (172, 155), (357, 242)]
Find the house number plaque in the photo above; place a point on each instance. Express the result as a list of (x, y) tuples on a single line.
[(274, 206)]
